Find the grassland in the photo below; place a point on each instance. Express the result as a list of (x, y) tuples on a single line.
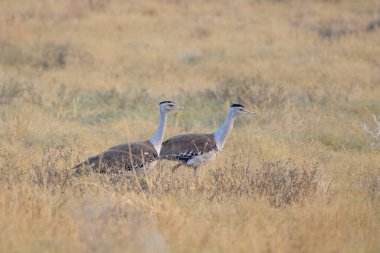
[(77, 77)]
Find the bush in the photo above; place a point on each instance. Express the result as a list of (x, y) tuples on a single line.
[(373, 134), (279, 182)]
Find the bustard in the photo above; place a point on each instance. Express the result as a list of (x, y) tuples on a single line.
[(131, 156), (193, 150)]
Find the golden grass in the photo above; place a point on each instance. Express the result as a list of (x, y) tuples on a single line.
[(77, 77)]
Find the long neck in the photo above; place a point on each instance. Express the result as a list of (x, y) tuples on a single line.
[(224, 131), (156, 139)]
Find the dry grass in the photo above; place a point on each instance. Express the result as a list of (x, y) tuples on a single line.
[(79, 76)]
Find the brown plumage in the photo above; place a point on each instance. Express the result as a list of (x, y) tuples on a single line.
[(185, 147), (120, 159)]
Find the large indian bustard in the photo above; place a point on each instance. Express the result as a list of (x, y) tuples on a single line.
[(193, 150), (131, 156)]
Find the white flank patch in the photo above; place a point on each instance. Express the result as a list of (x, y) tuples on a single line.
[(202, 159)]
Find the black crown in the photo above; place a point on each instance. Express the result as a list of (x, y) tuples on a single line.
[(237, 105), (166, 101)]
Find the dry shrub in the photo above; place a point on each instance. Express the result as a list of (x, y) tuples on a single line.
[(369, 183), (10, 172), (54, 171), (156, 182), (12, 55), (54, 55), (69, 103), (283, 183), (59, 55), (79, 9), (12, 89), (253, 91), (279, 182), (51, 171), (45, 55), (373, 134), (338, 27), (257, 92)]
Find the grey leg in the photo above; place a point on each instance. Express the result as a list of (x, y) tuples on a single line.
[(195, 172), (195, 176), (173, 169)]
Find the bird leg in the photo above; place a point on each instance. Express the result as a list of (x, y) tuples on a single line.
[(195, 172), (173, 169), (195, 175)]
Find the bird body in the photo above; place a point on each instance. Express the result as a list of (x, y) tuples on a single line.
[(132, 156), (190, 149), (194, 150), (123, 158)]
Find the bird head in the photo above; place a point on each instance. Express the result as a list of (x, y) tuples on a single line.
[(239, 110), (168, 106)]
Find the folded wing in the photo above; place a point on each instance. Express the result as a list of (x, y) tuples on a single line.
[(121, 158), (187, 146)]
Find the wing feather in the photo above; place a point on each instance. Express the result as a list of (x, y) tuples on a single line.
[(185, 147), (121, 158)]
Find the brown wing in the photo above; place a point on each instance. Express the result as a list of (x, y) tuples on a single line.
[(184, 147), (122, 158)]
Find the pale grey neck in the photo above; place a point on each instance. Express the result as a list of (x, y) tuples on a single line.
[(158, 136), (224, 131)]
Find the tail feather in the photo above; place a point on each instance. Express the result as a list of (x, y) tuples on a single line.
[(86, 166)]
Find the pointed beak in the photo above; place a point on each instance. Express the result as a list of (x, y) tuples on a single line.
[(178, 107), (249, 112)]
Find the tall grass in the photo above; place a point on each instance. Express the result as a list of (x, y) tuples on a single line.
[(77, 77)]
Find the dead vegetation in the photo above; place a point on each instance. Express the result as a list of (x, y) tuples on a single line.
[(77, 77)]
